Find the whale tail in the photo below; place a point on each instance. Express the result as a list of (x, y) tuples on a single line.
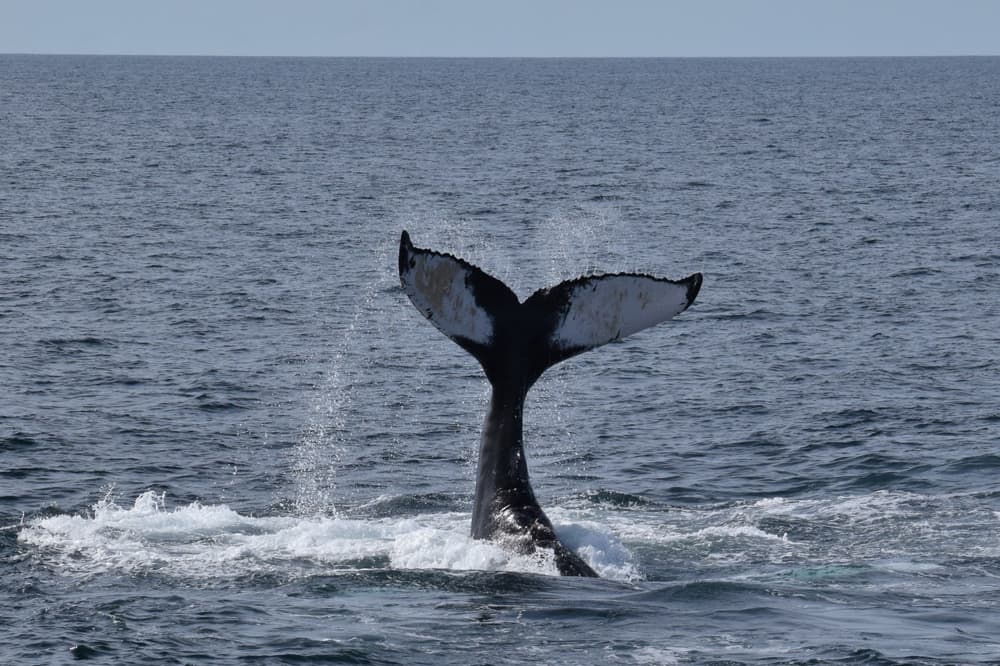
[(516, 341)]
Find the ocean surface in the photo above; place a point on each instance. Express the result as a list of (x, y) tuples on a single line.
[(226, 436)]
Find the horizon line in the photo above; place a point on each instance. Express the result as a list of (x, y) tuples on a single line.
[(495, 57)]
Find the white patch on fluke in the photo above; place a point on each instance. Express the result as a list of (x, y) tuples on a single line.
[(437, 286), (606, 308)]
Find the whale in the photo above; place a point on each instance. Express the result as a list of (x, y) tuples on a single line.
[(515, 342)]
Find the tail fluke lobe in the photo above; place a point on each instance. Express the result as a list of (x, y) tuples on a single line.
[(595, 310), (462, 301), (483, 315)]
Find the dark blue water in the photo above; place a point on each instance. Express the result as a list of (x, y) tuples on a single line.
[(227, 437)]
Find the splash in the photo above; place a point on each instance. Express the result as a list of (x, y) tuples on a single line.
[(362, 414), (214, 542), (335, 413)]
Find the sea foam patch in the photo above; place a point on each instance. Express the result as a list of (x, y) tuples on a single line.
[(214, 541)]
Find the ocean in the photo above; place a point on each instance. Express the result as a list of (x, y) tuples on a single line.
[(227, 437)]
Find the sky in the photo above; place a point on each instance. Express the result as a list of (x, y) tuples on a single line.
[(508, 28)]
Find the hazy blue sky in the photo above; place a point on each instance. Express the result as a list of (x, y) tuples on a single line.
[(503, 27)]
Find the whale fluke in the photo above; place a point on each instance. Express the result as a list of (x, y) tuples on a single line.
[(515, 343)]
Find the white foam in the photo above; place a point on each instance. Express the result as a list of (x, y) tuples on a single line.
[(432, 548), (909, 566), (214, 541), (856, 508), (655, 533), (663, 656), (596, 544)]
